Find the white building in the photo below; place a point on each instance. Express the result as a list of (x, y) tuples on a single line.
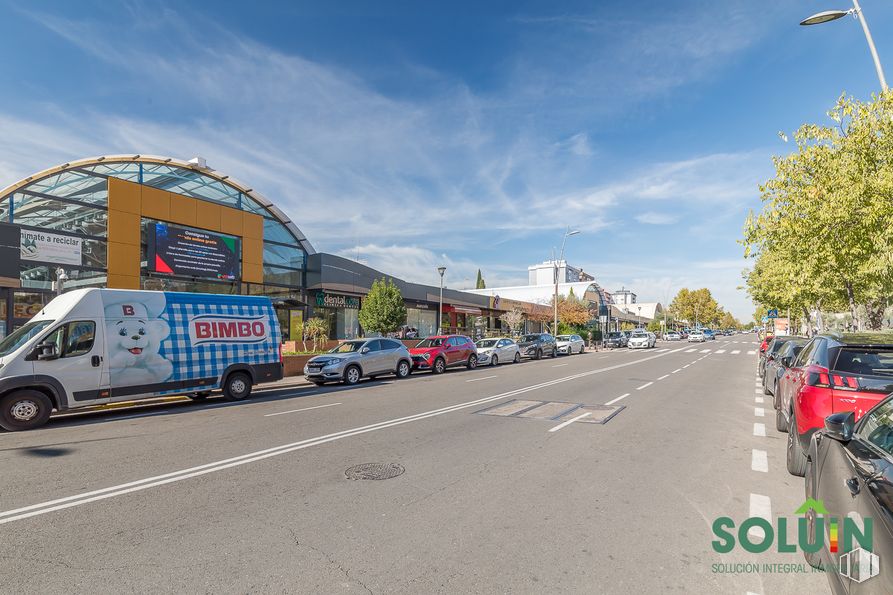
[(544, 273), (623, 297)]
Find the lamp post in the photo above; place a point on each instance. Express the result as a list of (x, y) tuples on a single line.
[(640, 316), (856, 10), (440, 270), (567, 234)]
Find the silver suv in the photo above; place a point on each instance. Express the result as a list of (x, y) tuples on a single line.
[(353, 360)]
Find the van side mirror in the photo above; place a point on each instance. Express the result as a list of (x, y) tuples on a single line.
[(46, 351), (839, 426)]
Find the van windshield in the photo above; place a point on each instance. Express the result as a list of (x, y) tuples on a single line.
[(22, 335)]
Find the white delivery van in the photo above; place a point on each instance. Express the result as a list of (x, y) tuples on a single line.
[(94, 346)]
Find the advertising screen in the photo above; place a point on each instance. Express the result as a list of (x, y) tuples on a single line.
[(176, 250)]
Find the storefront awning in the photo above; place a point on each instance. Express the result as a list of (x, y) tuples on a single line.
[(462, 310)]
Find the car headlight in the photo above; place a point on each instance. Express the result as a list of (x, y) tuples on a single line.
[(426, 356)]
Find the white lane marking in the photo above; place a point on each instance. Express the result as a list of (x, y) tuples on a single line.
[(483, 378), (25, 512), (646, 385), (612, 401), (304, 409), (759, 430), (759, 412), (690, 350), (720, 351), (760, 506), (662, 350), (676, 370), (759, 460), (685, 366), (758, 384), (604, 357), (736, 351), (752, 352), (758, 399), (705, 351), (558, 365), (664, 376), (570, 421), (758, 391)]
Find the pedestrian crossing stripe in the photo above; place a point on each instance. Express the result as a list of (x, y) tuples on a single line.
[(720, 351), (705, 351), (736, 351), (751, 352), (690, 350)]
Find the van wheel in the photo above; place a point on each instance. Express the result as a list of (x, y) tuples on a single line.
[(352, 375), (517, 359), (403, 369), (237, 386), (796, 457), (24, 410)]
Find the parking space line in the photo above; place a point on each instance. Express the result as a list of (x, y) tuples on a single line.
[(759, 429), (759, 412), (760, 506), (570, 421), (759, 460), (612, 401), (758, 391), (664, 376), (646, 385), (304, 409), (758, 399), (484, 378)]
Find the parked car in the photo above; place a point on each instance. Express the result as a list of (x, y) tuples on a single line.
[(570, 344), (673, 336), (444, 351), (696, 337), (352, 360), (709, 335), (537, 345), (849, 468), (764, 345), (502, 349), (834, 373), (616, 339), (771, 351), (642, 339), (775, 367)]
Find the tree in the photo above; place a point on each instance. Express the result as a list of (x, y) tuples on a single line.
[(513, 319), (572, 311), (696, 307), (480, 281), (383, 310), (317, 330)]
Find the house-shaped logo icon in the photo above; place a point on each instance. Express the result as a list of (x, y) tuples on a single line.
[(859, 565)]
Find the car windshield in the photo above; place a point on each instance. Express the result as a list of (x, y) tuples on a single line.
[(22, 335), (564, 337), (615, 335), (487, 343), (639, 333), (530, 338), (432, 342), (348, 347)]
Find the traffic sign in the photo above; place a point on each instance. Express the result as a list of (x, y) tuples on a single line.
[(773, 313)]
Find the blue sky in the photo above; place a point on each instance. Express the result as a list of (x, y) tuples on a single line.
[(411, 134)]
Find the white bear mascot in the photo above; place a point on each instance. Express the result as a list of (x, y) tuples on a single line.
[(134, 334)]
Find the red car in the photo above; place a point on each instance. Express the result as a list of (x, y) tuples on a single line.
[(834, 373), (444, 351)]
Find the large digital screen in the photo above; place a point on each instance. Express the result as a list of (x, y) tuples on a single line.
[(176, 250)]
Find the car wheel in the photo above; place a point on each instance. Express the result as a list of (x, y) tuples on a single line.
[(554, 353), (539, 354), (24, 410), (237, 386), (781, 424), (582, 349), (766, 390), (814, 559), (403, 369), (439, 366), (494, 360), (472, 362), (517, 359), (796, 457), (352, 375)]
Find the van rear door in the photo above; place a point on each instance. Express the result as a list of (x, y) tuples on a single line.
[(78, 362)]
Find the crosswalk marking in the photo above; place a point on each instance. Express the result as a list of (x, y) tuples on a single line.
[(720, 351), (736, 351), (690, 350), (752, 352), (705, 351)]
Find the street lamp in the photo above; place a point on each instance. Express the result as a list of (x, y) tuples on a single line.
[(567, 234), (440, 270), (856, 10)]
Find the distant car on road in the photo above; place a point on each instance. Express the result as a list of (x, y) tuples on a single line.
[(772, 350), (642, 339), (616, 339), (493, 351), (444, 351), (848, 469), (352, 360), (673, 336), (709, 335), (537, 345), (570, 344), (696, 337)]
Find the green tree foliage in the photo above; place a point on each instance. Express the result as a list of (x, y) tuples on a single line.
[(383, 310), (480, 284), (696, 306), (824, 237), (317, 330)]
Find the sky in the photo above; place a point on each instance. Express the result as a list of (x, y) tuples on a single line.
[(409, 135)]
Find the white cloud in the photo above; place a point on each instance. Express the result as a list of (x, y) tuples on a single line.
[(653, 218)]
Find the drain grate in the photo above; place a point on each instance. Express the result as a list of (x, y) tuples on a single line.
[(374, 471)]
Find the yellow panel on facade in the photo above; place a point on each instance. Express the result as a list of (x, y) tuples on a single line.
[(156, 204), (207, 215), (252, 251), (183, 210), (124, 259), (123, 282), (124, 196), (252, 272), (124, 227), (231, 221), (252, 226)]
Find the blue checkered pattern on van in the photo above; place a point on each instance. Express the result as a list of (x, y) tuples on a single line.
[(209, 361)]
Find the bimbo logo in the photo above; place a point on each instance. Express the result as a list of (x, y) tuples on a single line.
[(204, 330)]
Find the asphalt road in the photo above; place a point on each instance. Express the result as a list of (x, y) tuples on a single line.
[(253, 497)]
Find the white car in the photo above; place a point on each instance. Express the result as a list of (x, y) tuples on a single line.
[(642, 339), (673, 336), (570, 344), (500, 349), (696, 337)]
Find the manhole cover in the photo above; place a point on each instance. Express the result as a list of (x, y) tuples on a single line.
[(374, 471)]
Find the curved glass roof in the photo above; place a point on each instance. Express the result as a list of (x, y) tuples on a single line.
[(84, 181)]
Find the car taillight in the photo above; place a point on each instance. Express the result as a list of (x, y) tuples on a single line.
[(817, 376), (845, 382)]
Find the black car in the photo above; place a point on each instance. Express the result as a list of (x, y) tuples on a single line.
[(849, 469), (770, 358), (616, 339), (775, 344), (537, 345)]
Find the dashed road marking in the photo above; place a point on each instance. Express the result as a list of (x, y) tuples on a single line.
[(676, 370), (646, 385), (736, 351), (304, 409), (752, 352), (662, 350), (759, 430), (758, 399), (612, 401), (570, 421), (760, 506), (558, 365), (759, 460), (758, 391), (690, 350), (720, 351), (685, 366), (664, 376), (759, 412), (482, 378)]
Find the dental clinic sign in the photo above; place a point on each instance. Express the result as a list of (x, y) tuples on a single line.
[(39, 246)]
